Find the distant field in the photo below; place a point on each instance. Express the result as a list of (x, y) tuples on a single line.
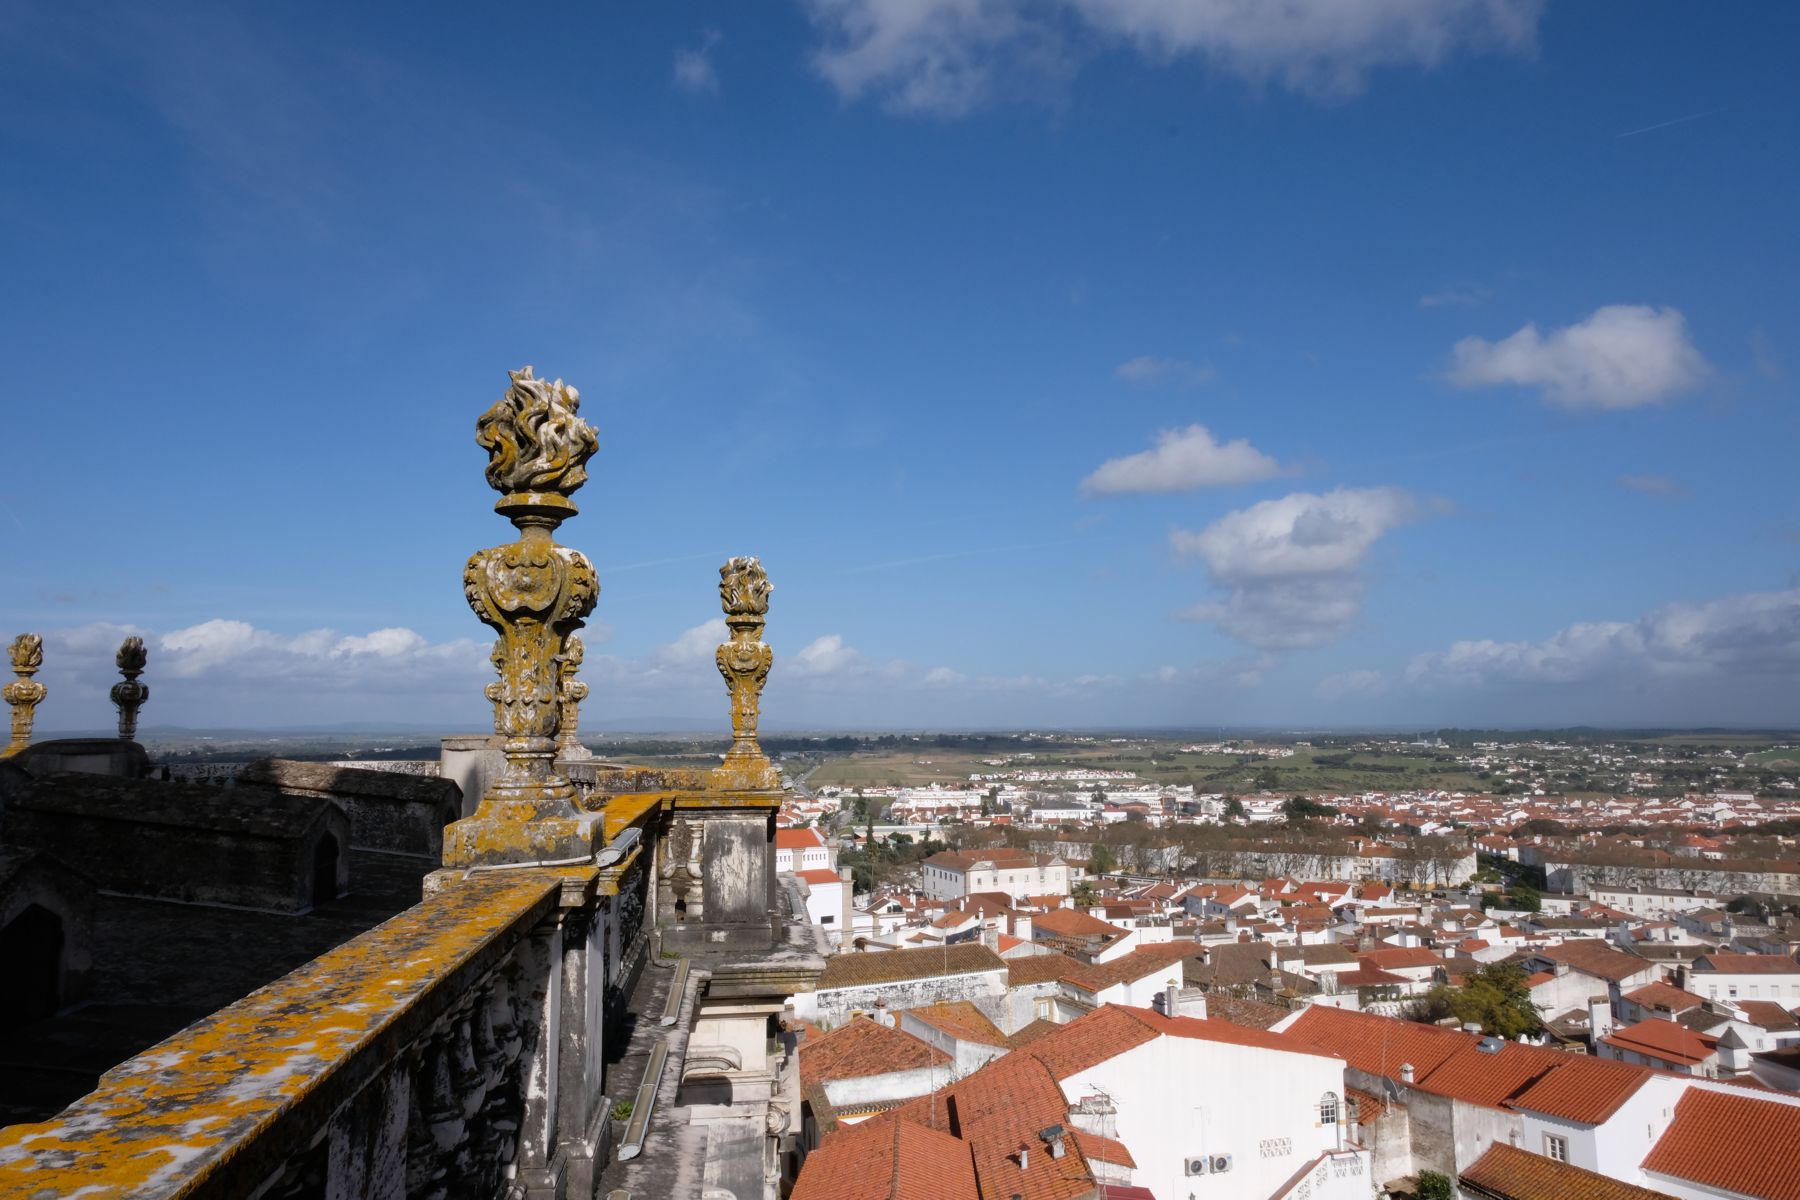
[(1162, 764), (1786, 756)]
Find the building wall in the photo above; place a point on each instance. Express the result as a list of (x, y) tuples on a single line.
[(985, 989), (1184, 1097)]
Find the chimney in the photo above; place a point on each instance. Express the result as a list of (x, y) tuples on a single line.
[(1171, 998), (1406, 1072), (1024, 1157)]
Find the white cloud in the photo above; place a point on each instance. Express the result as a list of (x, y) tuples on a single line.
[(696, 645), (1752, 634), (694, 70), (826, 655), (1178, 372), (1182, 460), (1291, 568), (943, 677), (1351, 683), (1622, 356), (945, 57)]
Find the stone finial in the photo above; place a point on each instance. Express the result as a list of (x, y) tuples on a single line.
[(537, 444), (744, 661), (129, 695), (571, 694), (534, 594), (27, 652)]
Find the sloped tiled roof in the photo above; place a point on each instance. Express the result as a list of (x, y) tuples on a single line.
[(862, 1047), (1508, 1173), (1592, 956), (1069, 922), (1733, 1143), (892, 966), (960, 1020), (888, 1160), (1746, 964), (1670, 1041), (1583, 1089)]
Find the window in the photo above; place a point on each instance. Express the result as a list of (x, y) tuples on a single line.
[(1328, 1109), (1556, 1147), (1733, 991)]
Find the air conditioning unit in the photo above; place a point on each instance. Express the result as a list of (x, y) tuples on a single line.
[(1195, 1166), (1220, 1163)]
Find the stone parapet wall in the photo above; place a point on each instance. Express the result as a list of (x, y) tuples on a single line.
[(401, 1064)]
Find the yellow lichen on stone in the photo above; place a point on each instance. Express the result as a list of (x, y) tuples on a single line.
[(164, 1123)]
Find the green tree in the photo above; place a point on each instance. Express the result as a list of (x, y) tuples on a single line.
[(1234, 809), (1496, 997), (1267, 779), (1433, 1186), (1301, 809), (1527, 899), (1101, 859), (1085, 895)]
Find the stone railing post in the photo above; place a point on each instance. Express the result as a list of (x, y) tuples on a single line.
[(129, 695), (744, 661), (534, 594), (26, 694)]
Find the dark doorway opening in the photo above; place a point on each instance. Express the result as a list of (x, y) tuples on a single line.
[(31, 951), (325, 870)]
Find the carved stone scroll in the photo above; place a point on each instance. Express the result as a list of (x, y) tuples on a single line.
[(129, 695), (534, 594), (26, 694), (744, 661), (570, 694)]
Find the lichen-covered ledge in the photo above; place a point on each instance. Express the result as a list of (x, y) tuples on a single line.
[(415, 1033)]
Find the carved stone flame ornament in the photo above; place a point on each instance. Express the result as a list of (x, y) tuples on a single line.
[(27, 656), (130, 695), (744, 661), (534, 594), (572, 693)]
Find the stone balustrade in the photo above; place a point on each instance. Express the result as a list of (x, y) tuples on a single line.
[(419, 1060)]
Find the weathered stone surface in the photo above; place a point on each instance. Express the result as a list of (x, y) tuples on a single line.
[(399, 814), (248, 846), (24, 694), (471, 761), (744, 661), (234, 1104), (533, 593), (88, 756), (31, 880), (128, 694)]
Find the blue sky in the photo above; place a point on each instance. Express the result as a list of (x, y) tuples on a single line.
[(1067, 362)]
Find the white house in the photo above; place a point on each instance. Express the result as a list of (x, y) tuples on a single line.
[(802, 850), (952, 874), (1720, 976)]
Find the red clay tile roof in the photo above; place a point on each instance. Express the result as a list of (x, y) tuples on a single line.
[(1252, 1014), (862, 1047), (1033, 1032), (1592, 956), (892, 966), (1733, 1143), (888, 1160), (1663, 995), (1508, 1173), (1069, 922), (797, 839), (1395, 957), (1047, 968), (1099, 1148), (1747, 964), (1767, 1014), (819, 876), (1670, 1041), (1583, 1089), (961, 1020)]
